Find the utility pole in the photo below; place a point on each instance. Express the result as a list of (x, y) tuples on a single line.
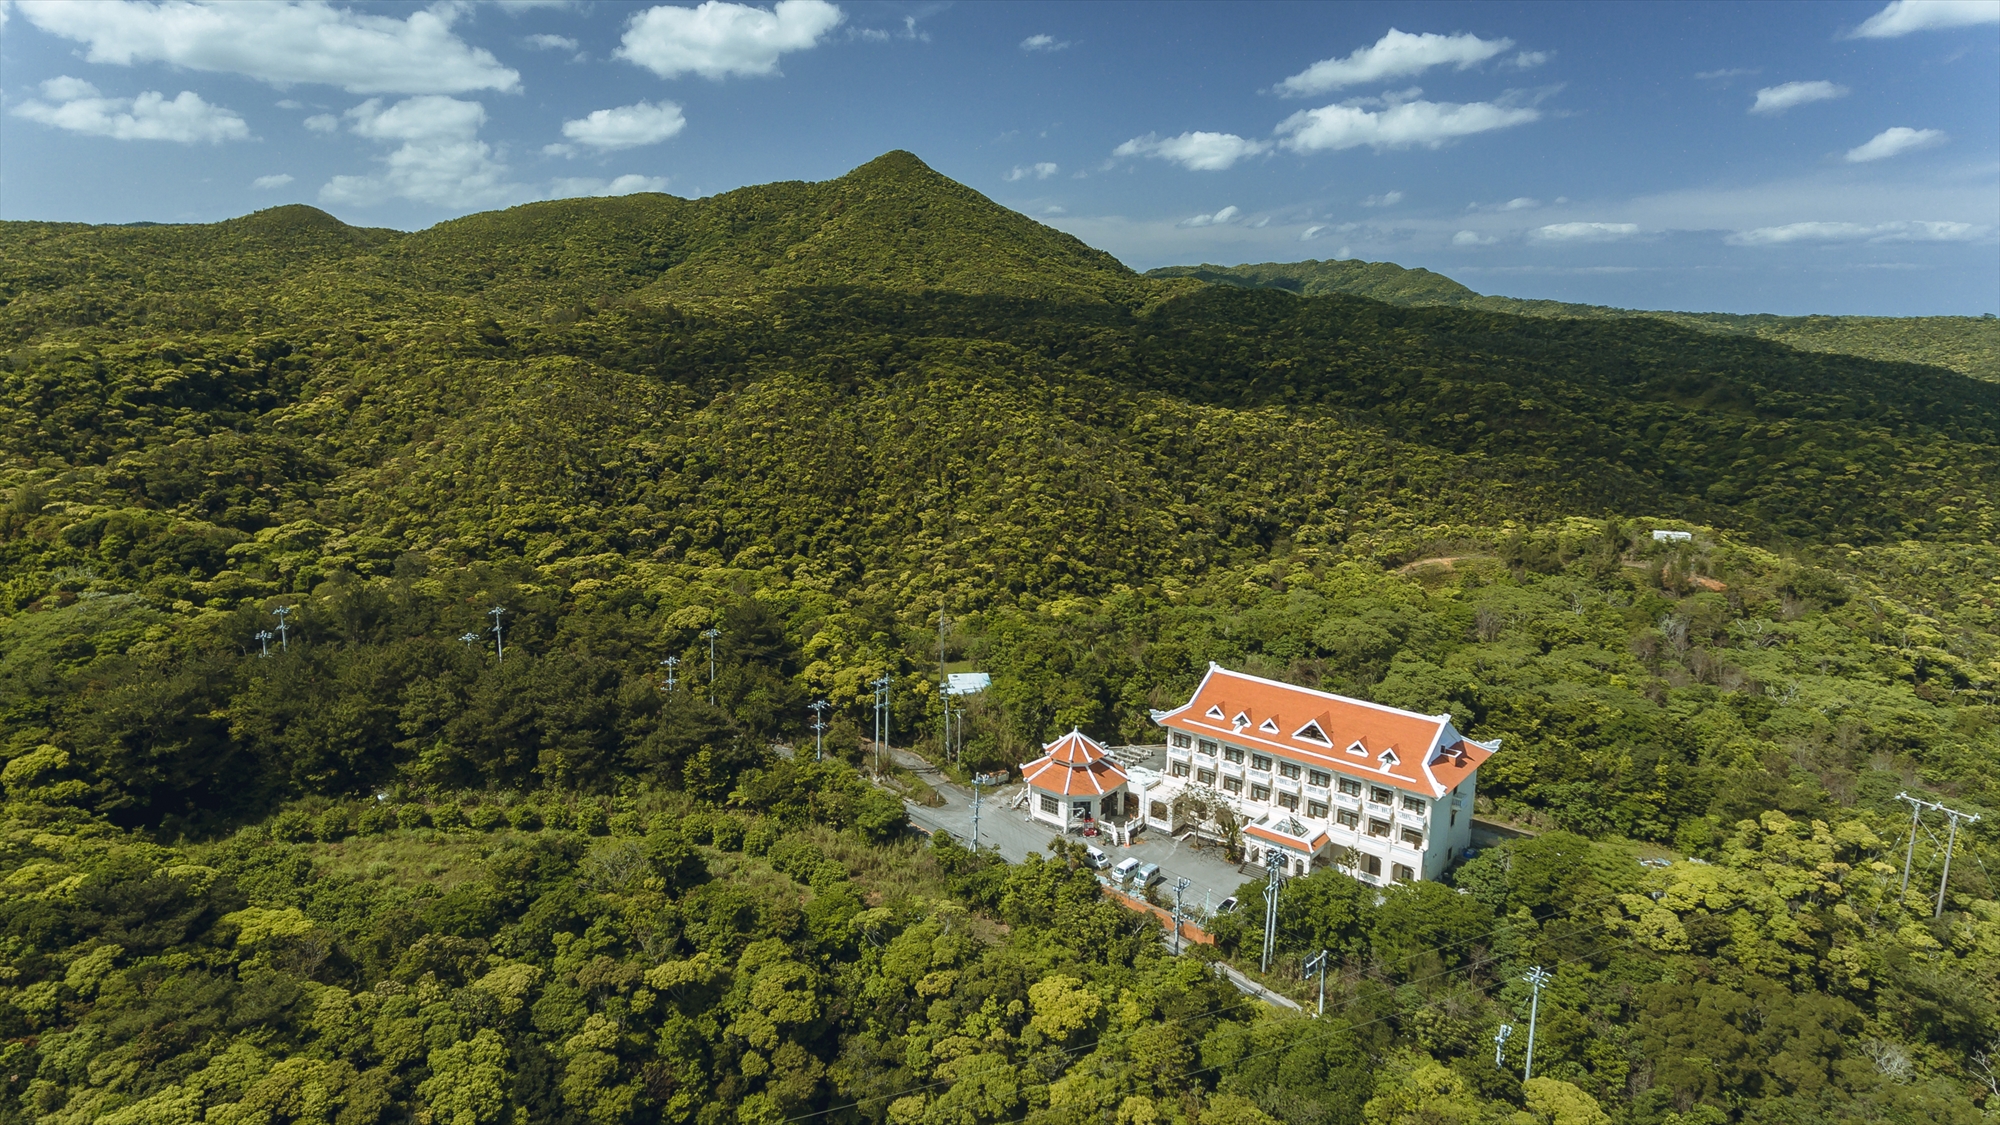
[(711, 634), (1950, 842), (1180, 888), (672, 665), (1910, 853), (264, 642), (1500, 1045), (818, 708), (1274, 864), (1536, 978), (978, 779), (470, 638), (284, 637), (1318, 964), (881, 686), (499, 642)]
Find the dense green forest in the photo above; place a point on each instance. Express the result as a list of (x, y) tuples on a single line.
[(348, 863), (1969, 345)]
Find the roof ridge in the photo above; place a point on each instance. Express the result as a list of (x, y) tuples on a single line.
[(1437, 719)]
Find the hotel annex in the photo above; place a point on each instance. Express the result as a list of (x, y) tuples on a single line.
[(1321, 779)]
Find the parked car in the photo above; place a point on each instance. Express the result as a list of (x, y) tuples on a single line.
[(1146, 876), (1122, 873), (1226, 905), (1096, 858)]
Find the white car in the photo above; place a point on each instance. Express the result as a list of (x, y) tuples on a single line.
[(1124, 869), (1095, 857)]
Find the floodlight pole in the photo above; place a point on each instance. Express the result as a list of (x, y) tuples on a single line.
[(1318, 964), (711, 634), (818, 708), (264, 642), (1180, 887), (1274, 864), (1536, 978), (284, 637), (499, 638)]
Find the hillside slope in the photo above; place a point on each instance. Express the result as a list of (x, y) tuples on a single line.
[(1965, 344)]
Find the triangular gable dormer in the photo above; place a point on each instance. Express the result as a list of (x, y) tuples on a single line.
[(1387, 758), (1214, 712), (1311, 733), (1268, 725), (1242, 719), (1355, 748)]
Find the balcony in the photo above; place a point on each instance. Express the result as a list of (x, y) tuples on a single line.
[(1179, 753), (1288, 785), (1317, 793), (1231, 769)]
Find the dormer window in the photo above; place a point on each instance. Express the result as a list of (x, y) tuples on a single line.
[(1214, 712), (1242, 719), (1388, 758), (1270, 725), (1311, 733), (1357, 749)]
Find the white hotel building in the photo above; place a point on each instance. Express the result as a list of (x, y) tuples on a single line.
[(1382, 793)]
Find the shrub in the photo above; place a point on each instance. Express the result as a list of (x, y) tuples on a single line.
[(727, 832), (525, 818), (759, 838), (291, 826), (411, 815), (374, 820), (590, 820), (486, 818), (448, 816), (332, 825)]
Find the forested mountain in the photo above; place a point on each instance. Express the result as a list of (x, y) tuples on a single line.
[(1969, 345), (346, 863)]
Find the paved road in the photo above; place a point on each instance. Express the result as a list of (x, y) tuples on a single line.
[(1012, 833)]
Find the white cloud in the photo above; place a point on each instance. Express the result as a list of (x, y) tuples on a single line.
[(1043, 43), (1858, 232), (78, 108), (1584, 232), (551, 42), (1312, 232), (627, 126), (1470, 238), (440, 159), (1518, 203), (719, 39), (1401, 125), (1386, 199), (1528, 60), (1729, 72), (1778, 99), (1902, 17), (277, 181), (1220, 218), (575, 188), (322, 123), (287, 103), (1197, 152), (1393, 56), (281, 43), (1892, 142), (1040, 171)]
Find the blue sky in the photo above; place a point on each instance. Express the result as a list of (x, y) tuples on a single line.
[(1789, 158)]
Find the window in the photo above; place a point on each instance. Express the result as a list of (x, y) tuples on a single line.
[(1181, 739), (1402, 874), (1268, 726), (1311, 733), (1316, 809), (1348, 818), (1413, 838), (1381, 796), (1206, 777), (1320, 778), (1289, 800), (1288, 769), (1207, 747), (1350, 787), (1049, 804), (1378, 828), (1233, 784), (1159, 810), (1415, 804), (1260, 792), (1372, 864), (1260, 762), (1454, 818), (1233, 754), (1179, 769)]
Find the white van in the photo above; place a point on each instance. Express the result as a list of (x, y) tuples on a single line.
[(1124, 869), (1095, 858)]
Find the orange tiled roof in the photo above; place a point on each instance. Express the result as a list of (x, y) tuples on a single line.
[(1422, 753), (1309, 843), (1074, 765)]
